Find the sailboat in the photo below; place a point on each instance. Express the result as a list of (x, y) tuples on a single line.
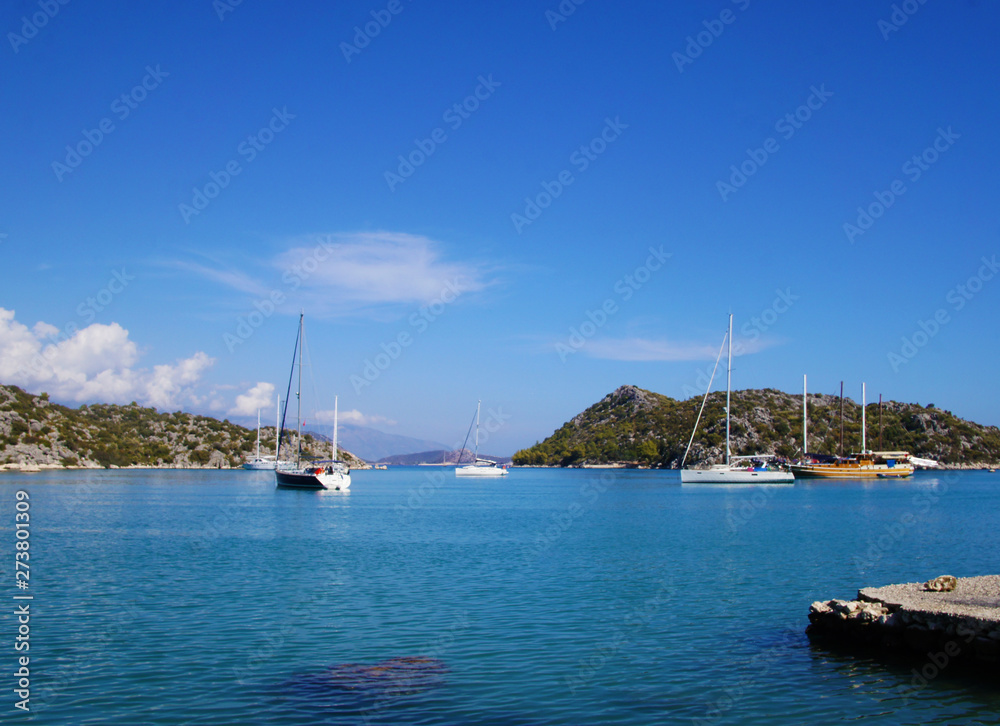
[(755, 469), (864, 465), (317, 475), (260, 463), (479, 467)]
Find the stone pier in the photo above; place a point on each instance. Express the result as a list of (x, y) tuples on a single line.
[(957, 626)]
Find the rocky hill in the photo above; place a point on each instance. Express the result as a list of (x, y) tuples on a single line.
[(632, 425), (36, 432)]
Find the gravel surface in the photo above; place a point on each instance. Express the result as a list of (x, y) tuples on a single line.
[(975, 597)]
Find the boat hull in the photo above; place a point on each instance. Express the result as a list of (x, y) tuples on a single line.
[(480, 471), (735, 476), (852, 471), (314, 479), (260, 465)]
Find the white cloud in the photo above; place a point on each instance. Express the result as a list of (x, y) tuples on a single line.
[(380, 267), (647, 349), (230, 278), (95, 363), (370, 274), (349, 273), (259, 397)]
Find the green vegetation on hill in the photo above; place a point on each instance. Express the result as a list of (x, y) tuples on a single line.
[(638, 426), (35, 431)]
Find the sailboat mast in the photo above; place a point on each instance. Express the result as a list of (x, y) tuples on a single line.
[(841, 418), (258, 433), (805, 417), (729, 383), (476, 457), (880, 422), (863, 449), (334, 457), (298, 399), (277, 426)]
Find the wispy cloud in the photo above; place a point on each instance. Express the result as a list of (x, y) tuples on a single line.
[(351, 274), (230, 278), (354, 417), (381, 267), (650, 349)]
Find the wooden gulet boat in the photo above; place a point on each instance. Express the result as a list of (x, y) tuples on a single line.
[(864, 465)]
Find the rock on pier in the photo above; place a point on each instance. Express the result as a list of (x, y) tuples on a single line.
[(961, 625)]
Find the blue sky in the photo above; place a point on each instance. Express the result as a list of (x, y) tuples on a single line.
[(535, 205)]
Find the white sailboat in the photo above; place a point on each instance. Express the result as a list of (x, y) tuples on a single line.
[(754, 469), (479, 467), (260, 463), (317, 475)]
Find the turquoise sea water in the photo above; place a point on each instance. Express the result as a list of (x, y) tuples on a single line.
[(551, 597)]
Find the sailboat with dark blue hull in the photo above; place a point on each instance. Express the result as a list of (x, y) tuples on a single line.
[(332, 474)]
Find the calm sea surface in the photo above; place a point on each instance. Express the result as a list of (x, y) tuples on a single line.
[(551, 597)]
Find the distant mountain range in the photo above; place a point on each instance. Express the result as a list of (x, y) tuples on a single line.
[(373, 445), (632, 425), (438, 456)]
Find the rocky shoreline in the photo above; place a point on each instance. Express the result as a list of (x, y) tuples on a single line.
[(938, 628)]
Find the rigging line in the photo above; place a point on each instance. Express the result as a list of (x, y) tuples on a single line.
[(307, 366), (703, 401), (288, 392)]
